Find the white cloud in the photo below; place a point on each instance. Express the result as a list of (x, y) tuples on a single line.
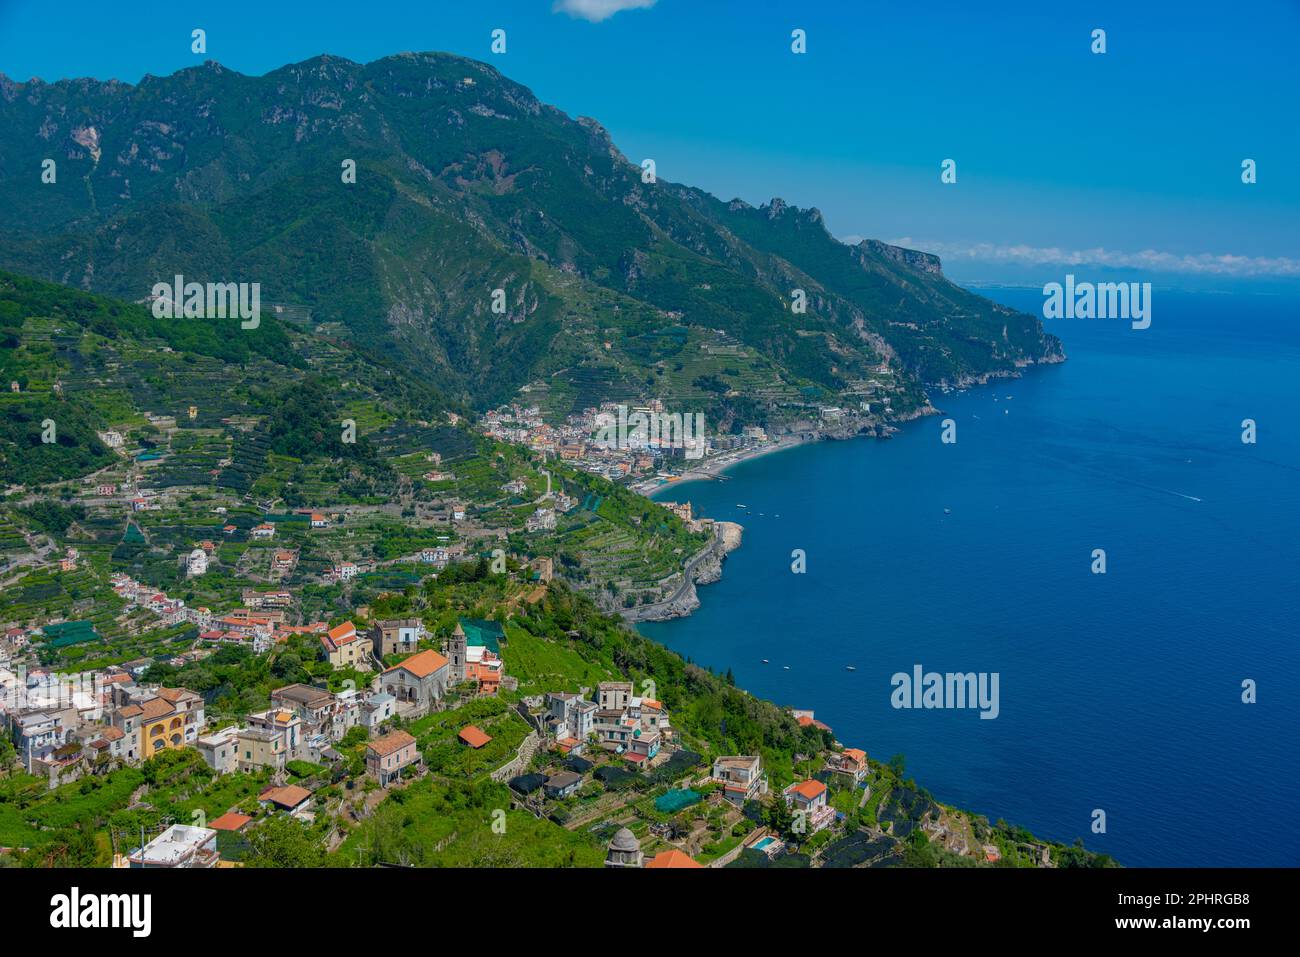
[(598, 10), (1206, 264)]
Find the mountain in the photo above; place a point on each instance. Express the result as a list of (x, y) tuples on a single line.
[(614, 288)]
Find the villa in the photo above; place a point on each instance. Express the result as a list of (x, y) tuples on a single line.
[(810, 799), (741, 777), (344, 648), (851, 762)]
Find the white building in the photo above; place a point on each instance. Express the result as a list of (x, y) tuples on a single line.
[(179, 846), (196, 564)]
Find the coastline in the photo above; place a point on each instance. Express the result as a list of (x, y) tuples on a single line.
[(929, 409), (698, 569), (716, 466)]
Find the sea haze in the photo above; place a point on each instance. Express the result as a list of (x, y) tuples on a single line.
[(1119, 692)]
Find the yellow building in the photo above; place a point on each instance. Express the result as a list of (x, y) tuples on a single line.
[(170, 721)]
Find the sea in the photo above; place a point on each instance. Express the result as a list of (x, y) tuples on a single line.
[(1152, 709)]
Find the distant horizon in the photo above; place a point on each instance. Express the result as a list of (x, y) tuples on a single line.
[(1060, 152)]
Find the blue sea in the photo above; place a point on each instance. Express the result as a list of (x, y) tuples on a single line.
[(1121, 691)]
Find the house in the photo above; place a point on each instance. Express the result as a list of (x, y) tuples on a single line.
[(439, 556), (344, 648), (614, 729), (543, 519), (419, 682), (614, 695), (260, 748), (377, 709), (386, 757), (220, 750), (397, 636), (809, 798), (642, 746), (652, 715), (318, 520), (263, 532), (347, 713), (806, 719), (232, 822), (741, 777), (673, 858), (39, 733), (291, 798), (169, 721), (563, 784), (474, 736), (851, 762), (570, 720), (111, 744), (543, 569), (313, 705), (345, 571), (179, 846)]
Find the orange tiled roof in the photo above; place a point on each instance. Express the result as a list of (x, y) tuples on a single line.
[(390, 743), (673, 858), (156, 708), (423, 664), (857, 754), (474, 737), (342, 630), (809, 789), (230, 821), (289, 797)]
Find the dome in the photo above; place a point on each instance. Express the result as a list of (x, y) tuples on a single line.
[(625, 840)]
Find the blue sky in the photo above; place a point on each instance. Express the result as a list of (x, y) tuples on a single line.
[(1130, 159)]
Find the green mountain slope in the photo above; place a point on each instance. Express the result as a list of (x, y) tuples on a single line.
[(614, 288)]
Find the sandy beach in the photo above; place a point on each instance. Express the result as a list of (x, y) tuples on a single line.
[(714, 466)]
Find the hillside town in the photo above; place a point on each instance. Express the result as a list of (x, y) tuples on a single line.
[(619, 443), (605, 760)]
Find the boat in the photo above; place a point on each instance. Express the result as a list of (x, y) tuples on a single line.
[(786, 667), (947, 511), (766, 662), (850, 668)]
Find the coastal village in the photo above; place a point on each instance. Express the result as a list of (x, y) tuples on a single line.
[(644, 444), (216, 655), (604, 761), (407, 674)]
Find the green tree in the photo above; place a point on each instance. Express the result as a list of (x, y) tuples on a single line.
[(280, 841)]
